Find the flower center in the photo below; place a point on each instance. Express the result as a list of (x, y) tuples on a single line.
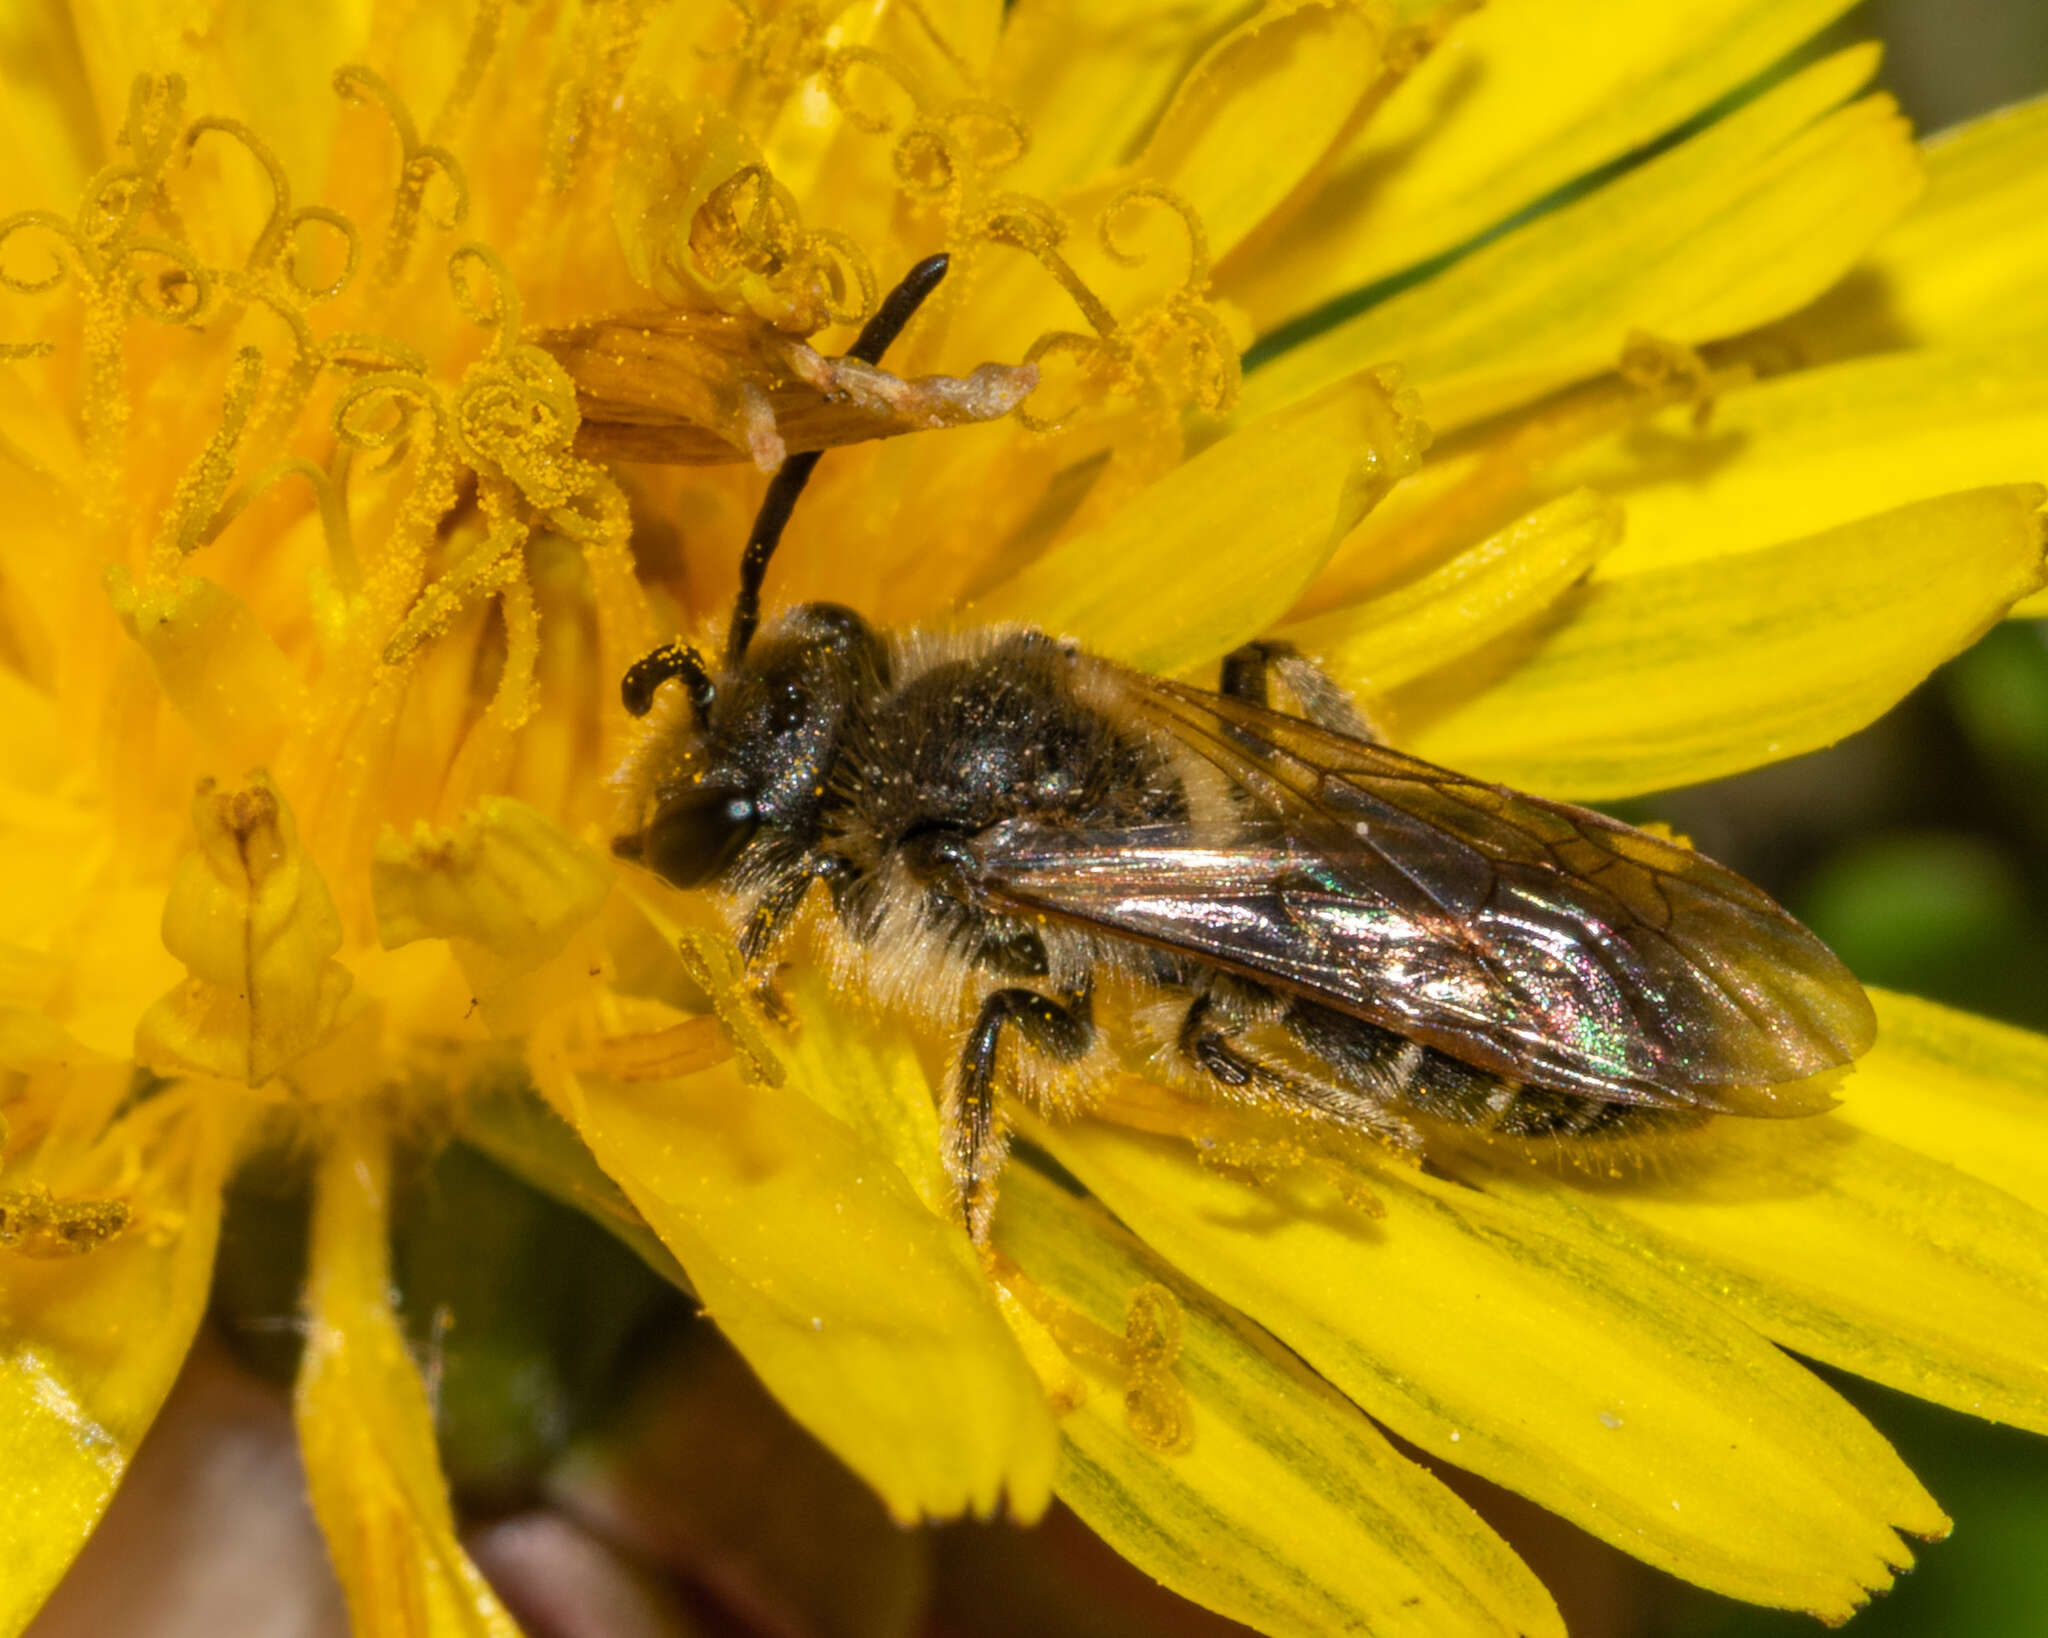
[(370, 594)]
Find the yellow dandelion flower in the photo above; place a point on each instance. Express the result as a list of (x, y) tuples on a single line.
[(381, 383)]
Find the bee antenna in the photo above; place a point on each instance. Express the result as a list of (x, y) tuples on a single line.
[(650, 671), (896, 311)]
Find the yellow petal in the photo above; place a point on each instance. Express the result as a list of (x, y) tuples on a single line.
[(1478, 596), (1967, 261), (1803, 452), (675, 153), (1959, 1090), (117, 965), (1520, 1346), (1749, 220), (91, 1345), (215, 663), (504, 877), (56, 848), (1217, 550), (251, 918), (532, 1142), (365, 1425), (35, 755), (52, 131), (1288, 1511), (864, 1312), (1090, 81), (1520, 100), (29, 1037), (1260, 109), (1668, 676), (965, 32), (1853, 1249), (844, 1293), (41, 518), (871, 1078), (274, 70)]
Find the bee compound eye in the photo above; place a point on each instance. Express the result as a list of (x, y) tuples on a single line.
[(694, 836)]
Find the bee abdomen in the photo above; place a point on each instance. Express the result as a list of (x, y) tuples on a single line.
[(1539, 1112), (1435, 1086)]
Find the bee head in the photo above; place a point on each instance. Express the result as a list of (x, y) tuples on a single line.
[(757, 752), (766, 730)]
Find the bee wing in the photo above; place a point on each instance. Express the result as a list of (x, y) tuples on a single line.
[(1533, 939)]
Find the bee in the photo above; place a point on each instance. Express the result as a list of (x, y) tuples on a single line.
[(1006, 826)]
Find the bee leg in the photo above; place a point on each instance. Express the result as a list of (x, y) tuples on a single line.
[(1206, 1032), (777, 907), (1248, 673), (1206, 1043), (1209, 1049), (770, 919), (1244, 671), (973, 1143)]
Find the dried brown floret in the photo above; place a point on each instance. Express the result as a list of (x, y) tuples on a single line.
[(693, 388)]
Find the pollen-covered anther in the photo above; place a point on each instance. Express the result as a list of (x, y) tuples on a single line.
[(1178, 348), (517, 419), (714, 967), (513, 422), (1664, 833), (418, 164), (1156, 1406), (789, 48), (1273, 1161), (1184, 322), (1264, 1161), (271, 269), (749, 249), (1267, 1148), (942, 157), (250, 916), (124, 260), (198, 496), (35, 1223)]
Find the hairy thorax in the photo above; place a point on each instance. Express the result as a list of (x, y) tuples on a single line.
[(970, 731)]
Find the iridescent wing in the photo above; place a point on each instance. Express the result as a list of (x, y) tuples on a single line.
[(1532, 939)]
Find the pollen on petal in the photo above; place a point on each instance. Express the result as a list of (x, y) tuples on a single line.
[(37, 1224)]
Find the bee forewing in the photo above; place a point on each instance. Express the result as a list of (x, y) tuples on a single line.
[(1532, 939)]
